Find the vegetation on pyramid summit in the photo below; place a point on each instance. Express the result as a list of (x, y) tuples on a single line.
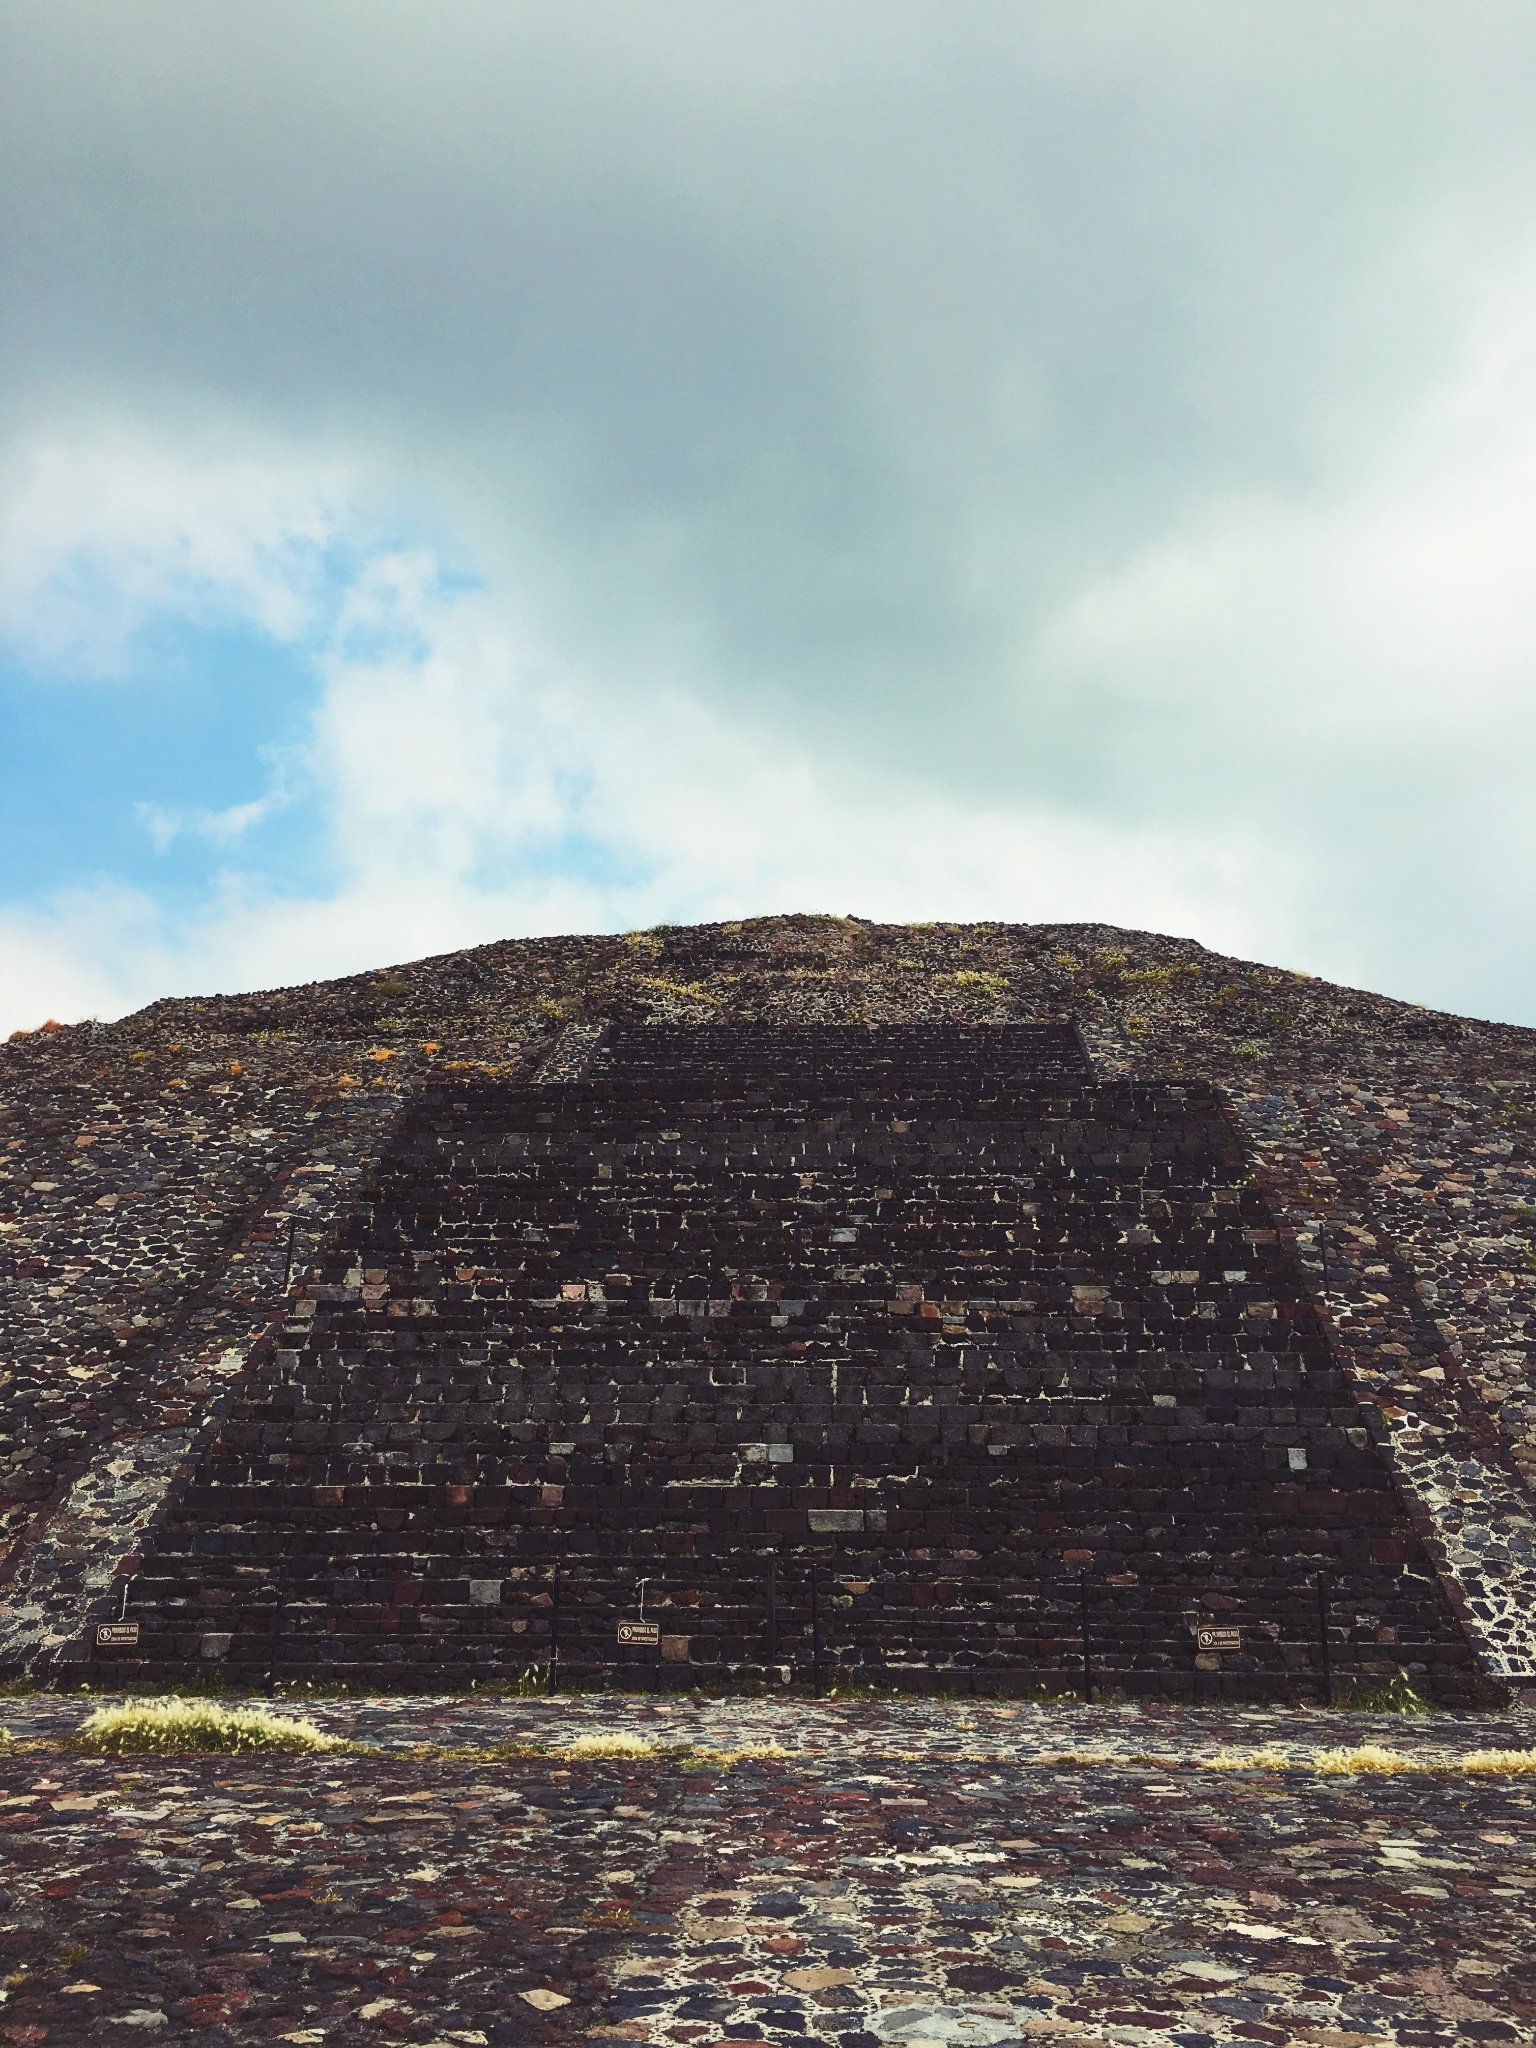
[(1176, 1004)]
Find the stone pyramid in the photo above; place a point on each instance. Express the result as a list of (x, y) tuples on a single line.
[(1014, 1338)]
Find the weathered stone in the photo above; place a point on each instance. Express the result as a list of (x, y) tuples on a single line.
[(656, 1266), (169, 1186)]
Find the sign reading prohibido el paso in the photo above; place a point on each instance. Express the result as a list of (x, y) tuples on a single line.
[(644, 1635), (117, 1635)]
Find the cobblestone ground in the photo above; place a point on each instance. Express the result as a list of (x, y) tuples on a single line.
[(901, 1874)]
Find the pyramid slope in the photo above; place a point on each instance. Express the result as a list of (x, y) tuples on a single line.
[(877, 1352), (172, 1177)]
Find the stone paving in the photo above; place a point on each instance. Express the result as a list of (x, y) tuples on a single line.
[(901, 1873)]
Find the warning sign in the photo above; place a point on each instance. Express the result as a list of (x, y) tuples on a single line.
[(117, 1635), (645, 1635), (1218, 1639)]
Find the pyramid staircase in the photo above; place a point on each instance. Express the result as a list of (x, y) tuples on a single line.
[(910, 1356)]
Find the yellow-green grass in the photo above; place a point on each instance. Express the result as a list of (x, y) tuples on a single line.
[(175, 1726), (1501, 1763), (608, 1745), (1370, 1759), (635, 1748)]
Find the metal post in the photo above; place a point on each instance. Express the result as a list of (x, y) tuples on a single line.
[(553, 1677), (818, 1677), (1322, 1638), (293, 1232), (773, 1612), (656, 1657), (1082, 1592), (277, 1624)]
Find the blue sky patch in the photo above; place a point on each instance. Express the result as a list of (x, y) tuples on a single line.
[(206, 719)]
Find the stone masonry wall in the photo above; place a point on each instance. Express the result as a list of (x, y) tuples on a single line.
[(1341, 1175), (151, 1171), (150, 1238), (926, 1314)]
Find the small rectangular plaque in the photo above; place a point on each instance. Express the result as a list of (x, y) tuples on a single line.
[(117, 1635), (645, 1635), (1218, 1639)]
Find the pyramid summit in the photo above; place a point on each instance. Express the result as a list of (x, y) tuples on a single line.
[(980, 1306)]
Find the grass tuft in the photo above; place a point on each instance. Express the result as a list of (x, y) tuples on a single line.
[(687, 1755), (722, 1759), (177, 1726), (1084, 1759), (1271, 1757), (1369, 1759), (609, 1745), (1366, 1759), (1397, 1695)]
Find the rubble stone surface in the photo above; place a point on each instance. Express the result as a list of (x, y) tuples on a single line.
[(159, 1203), (917, 1872), (908, 1355)]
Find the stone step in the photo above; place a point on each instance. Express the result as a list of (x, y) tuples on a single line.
[(586, 1324)]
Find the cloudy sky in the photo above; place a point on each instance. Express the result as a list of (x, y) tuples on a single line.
[(519, 467)]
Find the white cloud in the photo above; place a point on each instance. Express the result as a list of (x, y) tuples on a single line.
[(222, 828), (1388, 606), (777, 842), (82, 953), (961, 460), (477, 780), (474, 789), (107, 522)]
